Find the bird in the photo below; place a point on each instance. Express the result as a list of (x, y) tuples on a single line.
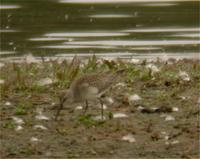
[(88, 87)]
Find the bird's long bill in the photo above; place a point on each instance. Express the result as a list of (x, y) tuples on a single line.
[(59, 108)]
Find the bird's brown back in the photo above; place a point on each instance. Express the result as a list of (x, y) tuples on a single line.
[(101, 81)]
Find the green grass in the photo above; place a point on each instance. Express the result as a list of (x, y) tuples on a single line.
[(20, 110), (88, 121)]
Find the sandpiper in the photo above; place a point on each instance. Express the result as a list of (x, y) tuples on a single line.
[(89, 87)]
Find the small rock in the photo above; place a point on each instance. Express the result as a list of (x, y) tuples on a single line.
[(34, 139), (2, 81), (8, 104), (45, 81), (121, 84), (39, 127), (66, 16), (79, 108), (2, 65), (154, 108), (169, 118), (135, 61), (119, 115), (163, 132), (140, 108), (166, 137), (130, 138), (41, 117), (175, 109), (184, 76), (18, 128), (175, 142), (17, 120), (182, 97), (52, 104), (134, 97)]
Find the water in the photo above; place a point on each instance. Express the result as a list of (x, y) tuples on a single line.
[(120, 28)]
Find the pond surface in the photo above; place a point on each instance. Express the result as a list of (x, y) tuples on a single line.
[(123, 28)]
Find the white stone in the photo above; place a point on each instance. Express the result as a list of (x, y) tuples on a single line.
[(34, 139), (39, 127), (2, 65), (135, 61), (154, 108), (134, 97), (41, 117), (183, 97), (166, 137), (120, 84), (169, 118), (18, 128), (175, 142), (8, 104), (2, 81), (163, 132), (119, 115), (130, 138), (79, 108), (45, 81), (66, 16), (140, 108), (175, 109), (17, 120), (184, 76)]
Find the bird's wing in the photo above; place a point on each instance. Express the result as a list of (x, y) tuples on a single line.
[(89, 89)]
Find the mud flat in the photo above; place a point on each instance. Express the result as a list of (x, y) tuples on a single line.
[(152, 113)]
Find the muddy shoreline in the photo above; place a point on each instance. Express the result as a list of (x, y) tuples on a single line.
[(152, 113)]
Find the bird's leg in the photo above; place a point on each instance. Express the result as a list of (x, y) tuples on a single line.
[(101, 102), (86, 107), (61, 107)]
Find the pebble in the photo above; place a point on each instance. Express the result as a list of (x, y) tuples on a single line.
[(34, 139), (42, 117), (8, 104), (175, 109), (79, 108), (134, 97), (130, 138), (169, 118), (2, 81), (39, 127), (184, 76), (18, 128), (119, 115), (45, 81), (17, 120)]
